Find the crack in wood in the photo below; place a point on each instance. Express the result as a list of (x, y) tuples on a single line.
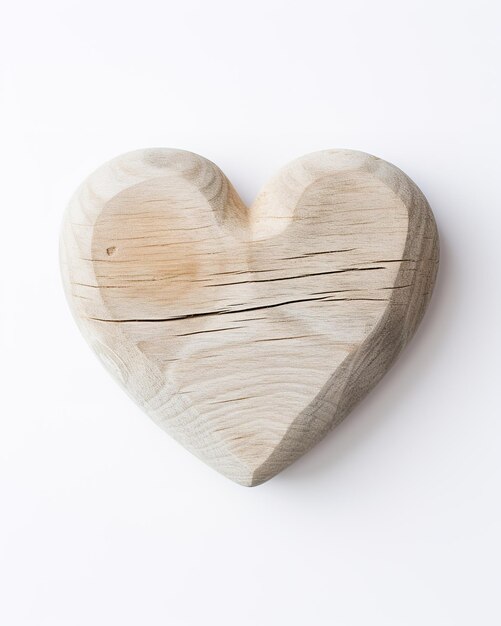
[(233, 311)]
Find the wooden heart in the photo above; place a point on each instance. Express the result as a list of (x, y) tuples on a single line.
[(248, 332)]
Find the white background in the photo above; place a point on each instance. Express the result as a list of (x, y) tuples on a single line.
[(394, 519)]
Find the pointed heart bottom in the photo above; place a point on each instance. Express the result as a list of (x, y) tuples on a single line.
[(247, 333)]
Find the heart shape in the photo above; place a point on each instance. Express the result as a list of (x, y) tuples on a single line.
[(247, 333)]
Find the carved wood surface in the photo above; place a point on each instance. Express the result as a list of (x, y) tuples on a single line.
[(248, 332)]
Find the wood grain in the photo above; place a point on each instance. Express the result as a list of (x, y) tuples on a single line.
[(248, 332)]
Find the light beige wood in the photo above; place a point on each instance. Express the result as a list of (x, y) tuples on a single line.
[(247, 333)]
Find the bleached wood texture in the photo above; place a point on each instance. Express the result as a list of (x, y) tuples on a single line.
[(247, 333)]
